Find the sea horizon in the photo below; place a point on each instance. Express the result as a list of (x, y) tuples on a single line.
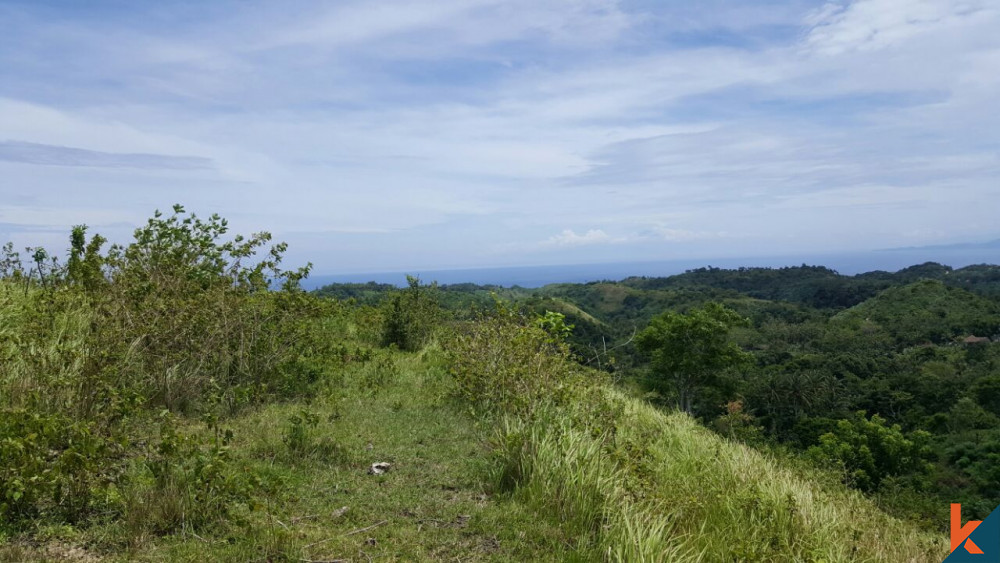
[(890, 260)]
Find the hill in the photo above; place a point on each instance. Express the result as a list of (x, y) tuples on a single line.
[(647, 485), (928, 311), (877, 352), (164, 401)]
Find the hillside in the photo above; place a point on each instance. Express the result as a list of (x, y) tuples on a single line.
[(882, 352), (247, 425), (928, 311), (680, 491)]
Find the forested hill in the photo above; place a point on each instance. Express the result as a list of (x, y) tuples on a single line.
[(964, 299), (821, 287), (815, 286)]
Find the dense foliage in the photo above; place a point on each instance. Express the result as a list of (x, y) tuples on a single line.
[(688, 352), (96, 355)]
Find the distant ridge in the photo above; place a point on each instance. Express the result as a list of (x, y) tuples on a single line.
[(989, 245)]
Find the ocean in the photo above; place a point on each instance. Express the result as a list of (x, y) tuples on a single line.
[(537, 276)]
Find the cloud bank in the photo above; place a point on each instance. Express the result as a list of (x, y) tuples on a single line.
[(388, 135)]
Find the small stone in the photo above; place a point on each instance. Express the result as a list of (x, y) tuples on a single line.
[(379, 468)]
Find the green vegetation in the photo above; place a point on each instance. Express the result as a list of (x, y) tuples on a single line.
[(409, 316), (915, 351), (180, 398), (928, 311), (690, 352), (629, 482)]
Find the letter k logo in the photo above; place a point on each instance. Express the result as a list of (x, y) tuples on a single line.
[(960, 533)]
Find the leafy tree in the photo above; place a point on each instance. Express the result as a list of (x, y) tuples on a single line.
[(980, 460), (869, 450), (555, 325), (85, 260), (784, 395), (688, 352), (966, 415), (987, 393)]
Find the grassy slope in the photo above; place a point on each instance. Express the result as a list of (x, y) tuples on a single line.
[(702, 498), (729, 500), (707, 499)]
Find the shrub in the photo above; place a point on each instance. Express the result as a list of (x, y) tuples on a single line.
[(186, 319), (410, 316), (194, 483), (378, 372), (178, 315), (869, 450), (298, 433), (51, 465), (505, 362), (303, 437)]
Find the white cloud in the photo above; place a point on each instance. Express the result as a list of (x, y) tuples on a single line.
[(569, 238), (866, 25), (453, 23)]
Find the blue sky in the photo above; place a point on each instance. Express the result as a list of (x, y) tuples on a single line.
[(389, 135)]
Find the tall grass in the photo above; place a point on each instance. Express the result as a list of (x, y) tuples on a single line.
[(631, 482), (565, 473), (704, 498), (41, 358)]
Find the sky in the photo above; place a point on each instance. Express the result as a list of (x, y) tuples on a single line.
[(385, 135)]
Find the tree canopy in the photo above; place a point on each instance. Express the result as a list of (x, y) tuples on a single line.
[(689, 351)]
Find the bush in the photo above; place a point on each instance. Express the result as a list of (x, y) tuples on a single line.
[(869, 450), (304, 438), (178, 316), (505, 362), (298, 433), (187, 482), (410, 316), (51, 466), (378, 372), (184, 319)]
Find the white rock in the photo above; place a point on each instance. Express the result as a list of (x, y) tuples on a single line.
[(379, 468)]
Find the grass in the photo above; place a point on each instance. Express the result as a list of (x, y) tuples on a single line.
[(432, 504), (666, 489), (703, 498)]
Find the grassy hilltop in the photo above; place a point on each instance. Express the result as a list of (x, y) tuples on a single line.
[(164, 402)]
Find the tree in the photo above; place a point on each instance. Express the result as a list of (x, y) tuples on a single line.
[(987, 393), (869, 450), (689, 352)]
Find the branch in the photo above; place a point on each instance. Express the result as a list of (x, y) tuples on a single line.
[(597, 355), (372, 527)]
